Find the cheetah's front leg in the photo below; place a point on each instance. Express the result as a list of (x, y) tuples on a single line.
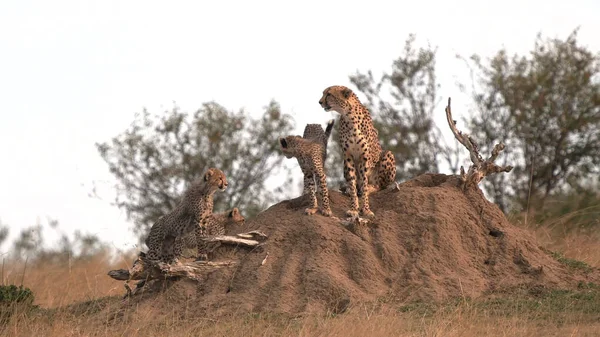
[(167, 251), (178, 247), (325, 208), (200, 233), (307, 182), (363, 174), (350, 176), (312, 192), (154, 243)]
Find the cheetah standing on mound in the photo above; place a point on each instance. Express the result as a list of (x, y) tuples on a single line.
[(191, 215), (217, 224), (310, 158), (315, 133), (363, 157)]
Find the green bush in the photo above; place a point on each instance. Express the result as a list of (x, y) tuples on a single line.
[(11, 294), (14, 299)]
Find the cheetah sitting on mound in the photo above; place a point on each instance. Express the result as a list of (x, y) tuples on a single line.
[(310, 158), (217, 224), (364, 160), (191, 215), (315, 133)]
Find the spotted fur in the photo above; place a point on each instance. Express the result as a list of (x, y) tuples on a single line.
[(216, 224), (364, 159), (310, 158), (190, 216), (315, 133)]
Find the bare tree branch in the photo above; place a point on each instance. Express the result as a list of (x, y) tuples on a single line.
[(480, 168)]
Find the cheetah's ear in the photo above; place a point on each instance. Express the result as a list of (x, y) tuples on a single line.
[(283, 143), (346, 93), (233, 212), (142, 254), (208, 174)]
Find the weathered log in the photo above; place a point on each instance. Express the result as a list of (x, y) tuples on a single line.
[(145, 270), (119, 274), (152, 270), (480, 168)]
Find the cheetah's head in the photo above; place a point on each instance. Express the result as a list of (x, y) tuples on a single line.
[(216, 179), (337, 98), (289, 145), (235, 217)]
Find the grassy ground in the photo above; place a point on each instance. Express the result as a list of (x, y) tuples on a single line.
[(73, 301), (553, 313)]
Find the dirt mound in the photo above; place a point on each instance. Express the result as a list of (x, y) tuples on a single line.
[(429, 240)]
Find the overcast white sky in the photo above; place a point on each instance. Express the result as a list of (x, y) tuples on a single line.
[(73, 73)]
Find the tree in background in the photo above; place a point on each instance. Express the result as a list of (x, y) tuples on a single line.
[(545, 107), (31, 244), (158, 156), (402, 104), (4, 231)]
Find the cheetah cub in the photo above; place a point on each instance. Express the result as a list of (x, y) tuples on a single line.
[(315, 133), (190, 216), (310, 158), (217, 224)]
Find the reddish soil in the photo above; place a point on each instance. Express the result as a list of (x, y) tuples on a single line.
[(429, 240)]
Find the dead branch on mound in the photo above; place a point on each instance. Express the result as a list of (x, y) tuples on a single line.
[(480, 168), (144, 269), (265, 259), (250, 239)]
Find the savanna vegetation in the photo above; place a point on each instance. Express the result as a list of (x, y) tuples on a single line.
[(544, 105)]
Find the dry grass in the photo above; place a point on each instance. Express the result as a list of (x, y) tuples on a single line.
[(58, 284), (576, 244), (465, 319), (80, 300), (567, 234)]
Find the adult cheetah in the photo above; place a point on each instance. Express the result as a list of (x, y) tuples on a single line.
[(364, 160), (191, 215), (315, 133), (310, 158)]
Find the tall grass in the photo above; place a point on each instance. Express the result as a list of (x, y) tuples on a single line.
[(59, 283)]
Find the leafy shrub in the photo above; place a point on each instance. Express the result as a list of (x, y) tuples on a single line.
[(11, 294)]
